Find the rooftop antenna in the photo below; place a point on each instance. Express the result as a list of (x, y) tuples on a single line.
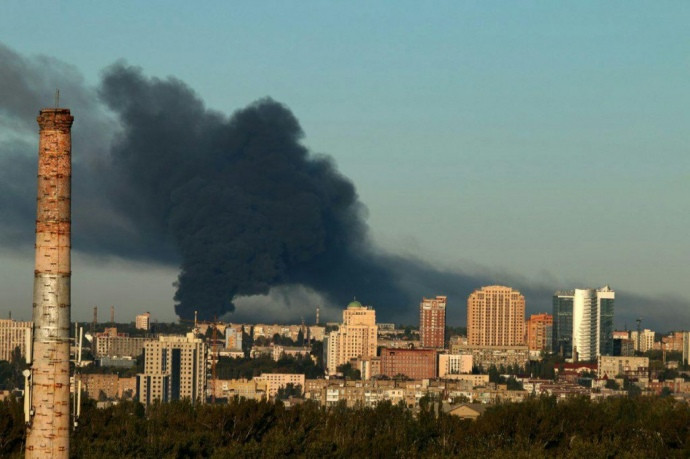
[(57, 98)]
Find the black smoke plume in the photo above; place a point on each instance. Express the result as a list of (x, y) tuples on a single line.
[(243, 202), (238, 203)]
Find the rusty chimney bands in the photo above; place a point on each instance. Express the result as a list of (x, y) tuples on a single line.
[(49, 423)]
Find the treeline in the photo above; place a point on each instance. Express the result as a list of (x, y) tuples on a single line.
[(538, 427), (229, 368), (11, 376)]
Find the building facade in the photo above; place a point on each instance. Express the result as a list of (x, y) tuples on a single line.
[(143, 321), (613, 367), (583, 323), (486, 356), (174, 369), (454, 364), (539, 332), (496, 317), (673, 342), (413, 363), (14, 334), (233, 339), (110, 343), (644, 341), (276, 381), (249, 389), (432, 322), (355, 338)]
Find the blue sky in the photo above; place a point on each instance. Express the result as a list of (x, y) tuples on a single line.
[(546, 140)]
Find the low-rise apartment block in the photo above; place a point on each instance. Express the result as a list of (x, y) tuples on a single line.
[(14, 334), (611, 367), (413, 363), (250, 389), (486, 356), (278, 381), (454, 364), (110, 343), (290, 351)]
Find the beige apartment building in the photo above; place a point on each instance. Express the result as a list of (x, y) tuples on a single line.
[(277, 381), (143, 321), (496, 317), (613, 367), (174, 369), (14, 334), (355, 338), (645, 341), (454, 364), (110, 343), (249, 389)]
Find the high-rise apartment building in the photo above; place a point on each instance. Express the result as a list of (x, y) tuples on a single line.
[(496, 317), (143, 321), (583, 323), (355, 338), (14, 334), (539, 332), (644, 341), (174, 369), (432, 322), (686, 348)]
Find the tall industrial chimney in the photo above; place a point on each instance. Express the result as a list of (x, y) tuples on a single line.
[(49, 415)]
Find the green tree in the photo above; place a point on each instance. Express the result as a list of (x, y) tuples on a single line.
[(290, 390), (349, 372), (612, 384)]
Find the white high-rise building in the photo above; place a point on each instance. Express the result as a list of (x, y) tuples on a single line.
[(583, 323), (645, 341)]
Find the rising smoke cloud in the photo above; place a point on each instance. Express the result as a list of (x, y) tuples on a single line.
[(237, 202)]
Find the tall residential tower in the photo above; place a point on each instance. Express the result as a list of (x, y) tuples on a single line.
[(355, 338), (496, 317), (432, 322)]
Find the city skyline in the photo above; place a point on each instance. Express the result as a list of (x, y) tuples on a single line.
[(515, 141)]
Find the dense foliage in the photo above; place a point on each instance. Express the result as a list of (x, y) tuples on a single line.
[(229, 368), (578, 427), (11, 372)]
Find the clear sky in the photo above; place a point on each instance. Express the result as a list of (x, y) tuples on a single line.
[(548, 140)]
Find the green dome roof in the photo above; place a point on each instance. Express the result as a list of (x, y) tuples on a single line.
[(355, 304)]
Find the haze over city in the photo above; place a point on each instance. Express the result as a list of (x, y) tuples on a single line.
[(538, 147)]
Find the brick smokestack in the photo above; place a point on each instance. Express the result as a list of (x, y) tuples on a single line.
[(49, 423)]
